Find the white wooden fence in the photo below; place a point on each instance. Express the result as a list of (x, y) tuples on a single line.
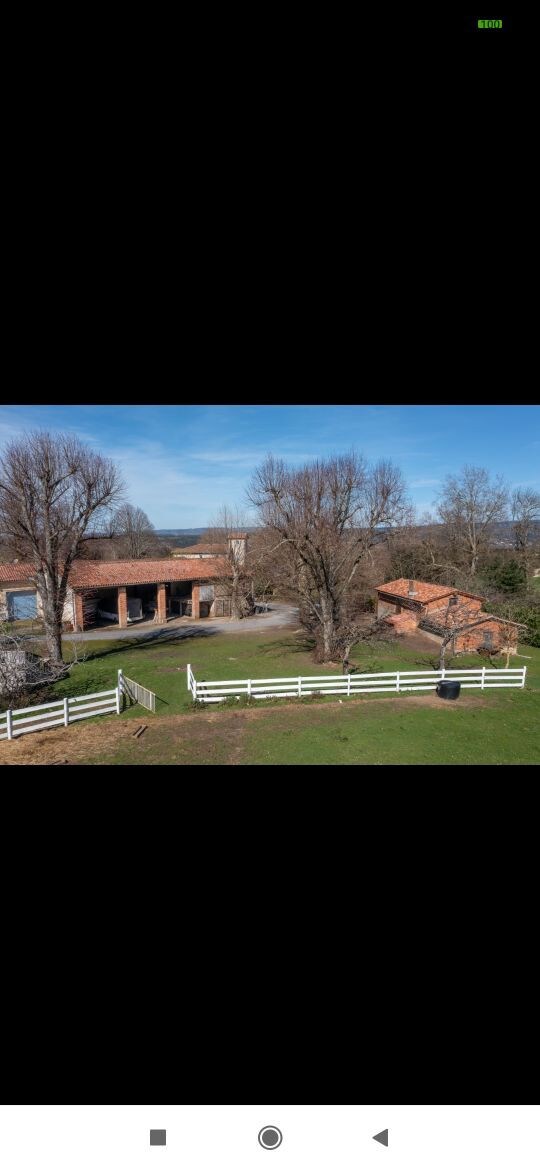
[(136, 693), (58, 714), (386, 682)]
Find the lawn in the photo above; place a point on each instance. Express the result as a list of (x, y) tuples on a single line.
[(490, 727)]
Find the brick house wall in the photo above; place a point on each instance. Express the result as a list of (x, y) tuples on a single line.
[(475, 639)]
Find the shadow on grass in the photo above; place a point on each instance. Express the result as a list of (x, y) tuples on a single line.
[(302, 645), (152, 638)]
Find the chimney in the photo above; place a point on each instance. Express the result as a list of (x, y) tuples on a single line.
[(412, 590)]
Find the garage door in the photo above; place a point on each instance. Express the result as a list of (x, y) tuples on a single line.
[(22, 604)]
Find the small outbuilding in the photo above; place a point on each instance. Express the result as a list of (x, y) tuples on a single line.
[(408, 605)]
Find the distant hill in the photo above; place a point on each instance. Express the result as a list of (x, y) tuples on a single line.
[(180, 531), (188, 531)]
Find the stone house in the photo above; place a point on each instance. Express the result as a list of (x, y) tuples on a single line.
[(408, 605)]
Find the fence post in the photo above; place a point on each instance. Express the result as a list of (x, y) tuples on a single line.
[(188, 668), (349, 684), (249, 688), (483, 678), (524, 673), (9, 721), (299, 687), (118, 700), (66, 712), (397, 682), (442, 674)]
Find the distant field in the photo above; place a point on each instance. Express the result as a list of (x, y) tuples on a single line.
[(490, 727)]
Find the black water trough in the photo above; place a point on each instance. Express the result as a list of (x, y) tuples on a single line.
[(448, 690)]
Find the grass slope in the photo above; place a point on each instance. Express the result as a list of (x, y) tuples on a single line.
[(490, 727)]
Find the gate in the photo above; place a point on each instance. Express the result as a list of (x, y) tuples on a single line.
[(136, 692)]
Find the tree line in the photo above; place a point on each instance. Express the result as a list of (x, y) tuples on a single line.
[(326, 531)]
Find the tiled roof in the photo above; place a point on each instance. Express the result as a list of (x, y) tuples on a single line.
[(96, 574), (16, 572), (423, 590)]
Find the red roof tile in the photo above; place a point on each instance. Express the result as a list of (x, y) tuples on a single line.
[(423, 590), (16, 572), (96, 574)]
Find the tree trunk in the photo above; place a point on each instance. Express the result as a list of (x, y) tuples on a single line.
[(53, 635), (236, 601), (52, 623), (442, 652), (327, 628)]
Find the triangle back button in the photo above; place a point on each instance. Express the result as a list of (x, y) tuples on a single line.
[(381, 1137)]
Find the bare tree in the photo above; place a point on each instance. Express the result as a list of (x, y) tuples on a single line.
[(458, 616), (352, 631), (52, 489), (327, 516), (224, 534), (24, 674), (525, 506), (469, 506), (139, 537)]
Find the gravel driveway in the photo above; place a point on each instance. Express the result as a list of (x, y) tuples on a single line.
[(278, 617)]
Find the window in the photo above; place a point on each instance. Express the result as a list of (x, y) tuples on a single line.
[(453, 601), (488, 639)]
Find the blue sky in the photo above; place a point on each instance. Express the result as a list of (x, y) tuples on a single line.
[(181, 463)]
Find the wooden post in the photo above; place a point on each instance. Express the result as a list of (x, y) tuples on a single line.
[(195, 601), (300, 687), (66, 712), (118, 700), (349, 685), (524, 673), (9, 721), (249, 688), (188, 668), (397, 682), (483, 678)]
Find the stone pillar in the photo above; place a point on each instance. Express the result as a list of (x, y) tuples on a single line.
[(78, 612), (195, 601), (122, 607), (161, 604)]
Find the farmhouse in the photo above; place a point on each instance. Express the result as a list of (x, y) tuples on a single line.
[(408, 605), (126, 591)]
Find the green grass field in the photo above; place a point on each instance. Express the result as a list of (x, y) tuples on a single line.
[(490, 727)]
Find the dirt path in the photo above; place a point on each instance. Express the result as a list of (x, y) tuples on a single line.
[(217, 734)]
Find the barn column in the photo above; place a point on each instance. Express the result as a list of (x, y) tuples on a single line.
[(161, 604), (195, 601), (122, 607), (78, 612)]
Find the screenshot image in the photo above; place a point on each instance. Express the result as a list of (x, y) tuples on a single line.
[(269, 1137), (269, 585)]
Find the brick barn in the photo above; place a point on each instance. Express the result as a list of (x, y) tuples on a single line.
[(123, 591), (409, 605)]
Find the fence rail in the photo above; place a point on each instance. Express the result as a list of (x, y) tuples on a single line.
[(136, 692), (60, 713), (384, 682)]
